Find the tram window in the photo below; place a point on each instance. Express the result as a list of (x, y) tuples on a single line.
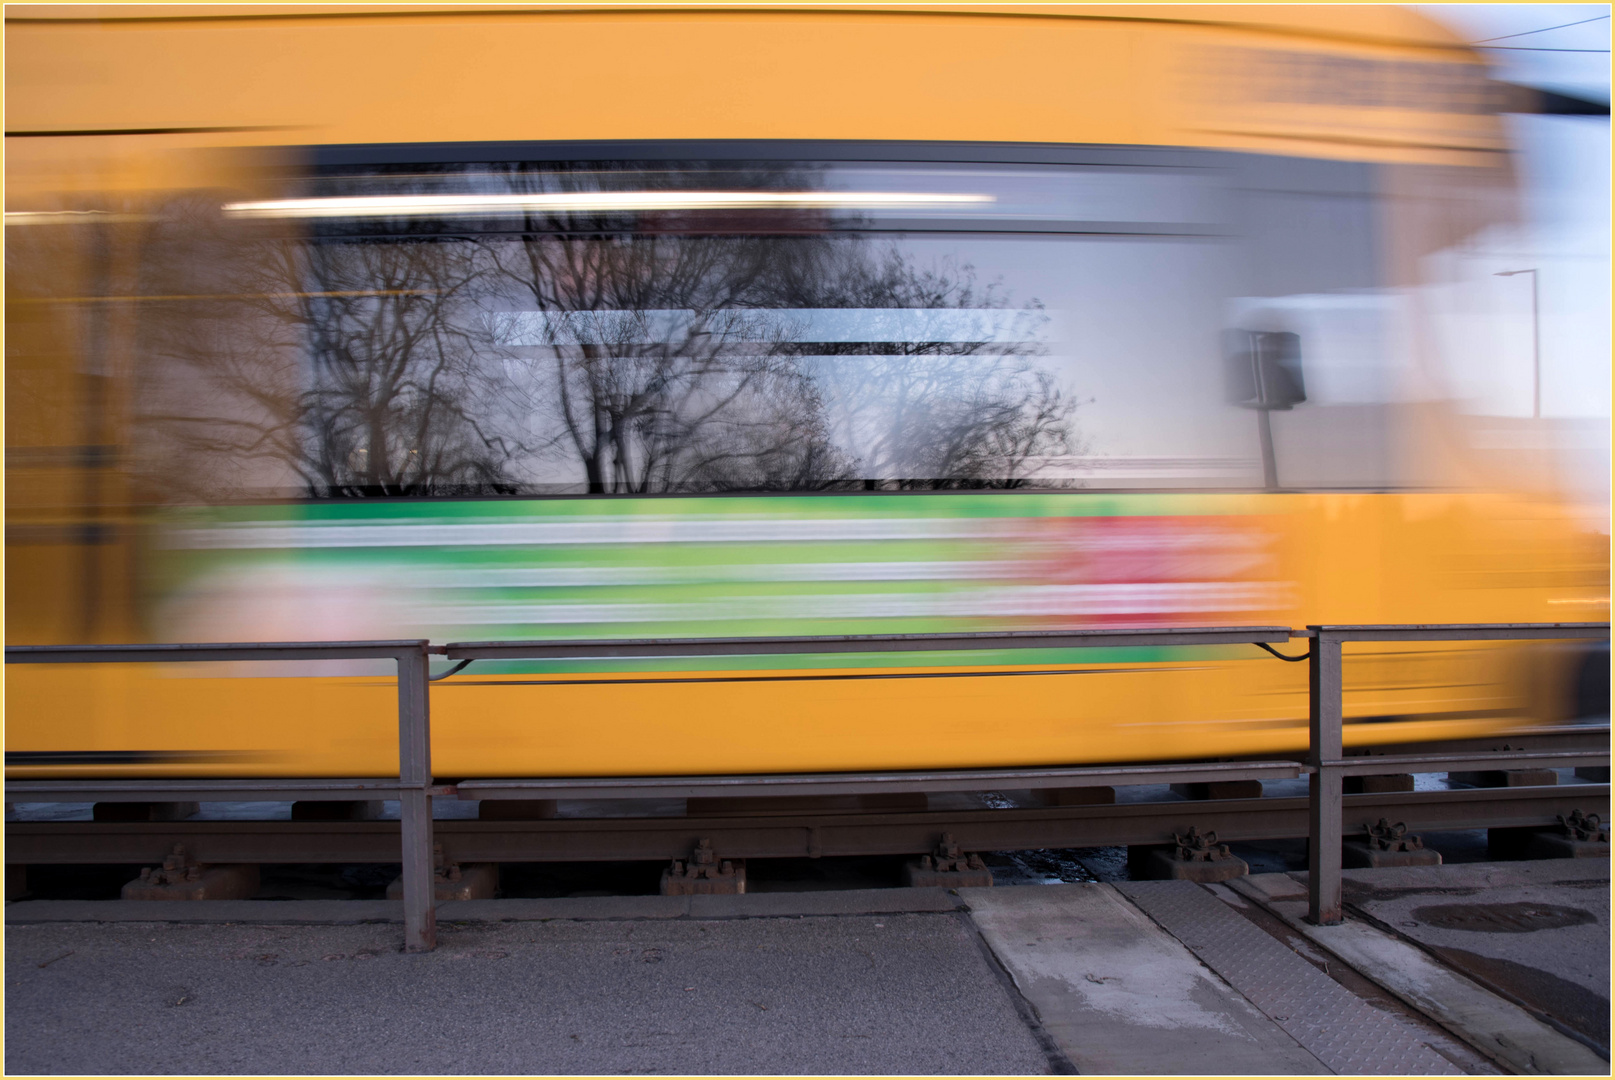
[(514, 329)]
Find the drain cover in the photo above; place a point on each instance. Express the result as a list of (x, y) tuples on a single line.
[(1519, 918)]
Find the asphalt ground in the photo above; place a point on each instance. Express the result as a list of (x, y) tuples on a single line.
[(894, 993), (1090, 977)]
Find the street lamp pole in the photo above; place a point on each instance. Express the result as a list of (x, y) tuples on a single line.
[(1536, 343)]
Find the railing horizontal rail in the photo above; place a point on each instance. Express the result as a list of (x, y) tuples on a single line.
[(208, 651), (1566, 737), (681, 787), (167, 790), (1460, 631), (861, 643), (1494, 759)]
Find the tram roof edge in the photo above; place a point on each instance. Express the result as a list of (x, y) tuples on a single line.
[(1362, 23)]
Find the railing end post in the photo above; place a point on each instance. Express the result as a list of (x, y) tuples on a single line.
[(1325, 787)]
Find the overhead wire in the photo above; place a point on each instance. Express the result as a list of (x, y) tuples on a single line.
[(1482, 43), (1544, 30)]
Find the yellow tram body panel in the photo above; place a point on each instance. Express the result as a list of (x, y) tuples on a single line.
[(1390, 558), (98, 143), (766, 722), (1167, 75)]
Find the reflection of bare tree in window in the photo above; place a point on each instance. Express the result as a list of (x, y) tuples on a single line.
[(692, 404), (396, 374), (220, 370), (347, 365), (667, 394), (938, 413), (674, 390), (611, 353)]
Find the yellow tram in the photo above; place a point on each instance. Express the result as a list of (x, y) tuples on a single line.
[(341, 322)]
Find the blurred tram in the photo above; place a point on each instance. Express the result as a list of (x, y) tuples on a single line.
[(335, 323)]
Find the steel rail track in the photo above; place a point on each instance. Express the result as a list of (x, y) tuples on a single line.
[(788, 835)]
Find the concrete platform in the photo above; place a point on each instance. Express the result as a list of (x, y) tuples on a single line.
[(1138, 978)]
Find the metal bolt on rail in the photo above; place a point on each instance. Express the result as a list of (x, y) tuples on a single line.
[(1192, 856), (949, 857), (1577, 836), (183, 878), (1387, 837), (1195, 846), (704, 873), (948, 866), (1384, 844), (1579, 826)]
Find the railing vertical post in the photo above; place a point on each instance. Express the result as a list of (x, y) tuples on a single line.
[(414, 801), (1325, 709)]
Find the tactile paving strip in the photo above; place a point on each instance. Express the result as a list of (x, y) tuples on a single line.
[(1338, 1028)]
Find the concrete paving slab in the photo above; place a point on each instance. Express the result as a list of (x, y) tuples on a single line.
[(1343, 1031), (1538, 933), (1120, 995), (1475, 875), (1432, 1034), (894, 993), (1494, 1026)]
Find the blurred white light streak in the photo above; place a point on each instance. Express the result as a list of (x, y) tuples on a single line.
[(67, 217), (571, 577), (1038, 601), (584, 531), (593, 202)]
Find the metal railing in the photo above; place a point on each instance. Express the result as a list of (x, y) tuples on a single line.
[(413, 788), (1326, 754), (1325, 760)]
